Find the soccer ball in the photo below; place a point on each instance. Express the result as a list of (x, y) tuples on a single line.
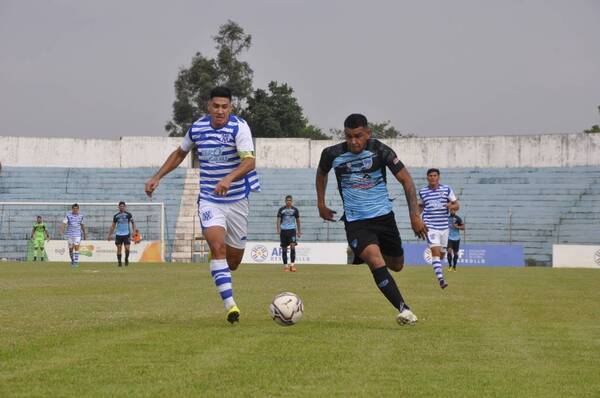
[(286, 309)]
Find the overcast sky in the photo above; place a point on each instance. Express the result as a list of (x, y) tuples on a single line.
[(106, 69)]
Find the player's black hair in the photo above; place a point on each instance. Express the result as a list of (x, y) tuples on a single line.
[(220, 91), (121, 203), (288, 197), (39, 216), (355, 121), (433, 171), (74, 205)]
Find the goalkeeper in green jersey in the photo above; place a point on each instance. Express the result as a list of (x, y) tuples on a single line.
[(39, 234)]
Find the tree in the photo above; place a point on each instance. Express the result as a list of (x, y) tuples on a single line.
[(275, 113), (595, 128), (380, 131), (314, 133), (231, 72), (384, 130), (193, 84)]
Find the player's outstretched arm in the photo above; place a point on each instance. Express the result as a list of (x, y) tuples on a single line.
[(247, 165), (410, 192), (84, 230), (321, 186), (174, 160)]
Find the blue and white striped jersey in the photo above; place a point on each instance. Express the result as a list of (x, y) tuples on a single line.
[(434, 201), (218, 153), (73, 222), (361, 177)]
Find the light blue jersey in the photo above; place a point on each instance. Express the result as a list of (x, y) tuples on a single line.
[(73, 222), (288, 217), (454, 233), (434, 202), (122, 221), (218, 153), (362, 178)]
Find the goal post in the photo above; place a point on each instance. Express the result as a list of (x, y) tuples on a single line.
[(17, 219)]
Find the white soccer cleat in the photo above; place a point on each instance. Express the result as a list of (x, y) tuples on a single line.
[(406, 317)]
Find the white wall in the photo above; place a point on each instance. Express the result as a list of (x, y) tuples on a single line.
[(75, 152), (149, 151), (560, 150), (282, 152)]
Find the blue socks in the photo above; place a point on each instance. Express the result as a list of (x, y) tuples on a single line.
[(221, 275)]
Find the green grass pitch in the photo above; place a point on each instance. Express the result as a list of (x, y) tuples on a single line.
[(159, 330)]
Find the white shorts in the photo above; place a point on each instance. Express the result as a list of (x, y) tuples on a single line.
[(233, 217), (437, 237), (73, 241)]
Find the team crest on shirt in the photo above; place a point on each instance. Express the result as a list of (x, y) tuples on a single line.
[(367, 163), (225, 138)]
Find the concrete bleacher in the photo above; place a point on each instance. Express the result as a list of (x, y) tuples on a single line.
[(533, 207), (61, 184)]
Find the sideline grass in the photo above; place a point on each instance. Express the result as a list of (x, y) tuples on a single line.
[(160, 330)]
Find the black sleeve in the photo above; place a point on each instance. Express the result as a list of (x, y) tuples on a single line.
[(459, 221), (297, 213), (389, 158), (115, 219), (130, 217), (326, 160), (279, 212)]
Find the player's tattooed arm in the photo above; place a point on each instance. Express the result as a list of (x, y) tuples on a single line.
[(418, 226)]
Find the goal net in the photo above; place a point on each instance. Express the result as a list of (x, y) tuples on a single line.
[(17, 219)]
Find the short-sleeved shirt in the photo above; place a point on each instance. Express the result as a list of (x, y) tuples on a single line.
[(454, 233), (73, 222), (39, 231), (434, 201), (361, 177), (288, 217), (219, 154), (122, 221)]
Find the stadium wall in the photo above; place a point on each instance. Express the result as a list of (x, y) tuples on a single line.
[(560, 150)]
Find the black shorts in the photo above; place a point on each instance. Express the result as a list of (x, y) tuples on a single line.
[(454, 245), (122, 239), (381, 231), (287, 236)]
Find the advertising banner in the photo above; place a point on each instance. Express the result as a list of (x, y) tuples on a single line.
[(484, 255), (306, 253), (576, 256), (104, 251)]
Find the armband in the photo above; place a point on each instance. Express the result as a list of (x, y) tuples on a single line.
[(246, 154)]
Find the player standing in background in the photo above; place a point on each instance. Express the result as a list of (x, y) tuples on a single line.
[(288, 222), (435, 200), (39, 234), (360, 168), (75, 231), (121, 221), (227, 176), (455, 224)]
